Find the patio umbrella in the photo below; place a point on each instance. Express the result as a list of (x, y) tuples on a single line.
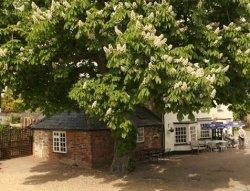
[(217, 125)]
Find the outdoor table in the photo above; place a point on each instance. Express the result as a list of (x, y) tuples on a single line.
[(209, 143)]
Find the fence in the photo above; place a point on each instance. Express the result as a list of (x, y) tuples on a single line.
[(15, 142)]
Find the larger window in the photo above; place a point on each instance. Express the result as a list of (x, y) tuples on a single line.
[(205, 131), (140, 135), (59, 142), (180, 134)]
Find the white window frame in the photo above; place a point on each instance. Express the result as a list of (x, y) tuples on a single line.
[(177, 127), (140, 137), (204, 131), (59, 142), (193, 132)]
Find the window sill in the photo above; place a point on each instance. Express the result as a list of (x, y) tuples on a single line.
[(59, 152), (181, 144), (138, 142)]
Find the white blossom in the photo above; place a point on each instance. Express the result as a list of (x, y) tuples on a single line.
[(167, 58), (243, 19), (196, 65), (213, 93), (127, 5), (106, 50), (117, 31), (80, 23), (121, 48), (3, 52), (184, 62), (94, 104), (239, 51), (21, 8), (133, 15), (177, 85), (95, 64), (49, 14), (211, 78), (159, 41), (34, 6), (190, 70), (220, 55), (183, 29), (217, 30), (225, 27), (180, 21), (170, 8), (184, 86), (66, 4), (134, 5), (238, 28), (206, 61), (81, 75), (209, 27), (150, 66), (170, 46), (199, 72), (137, 61), (151, 16), (109, 111), (225, 69), (123, 69), (247, 51)]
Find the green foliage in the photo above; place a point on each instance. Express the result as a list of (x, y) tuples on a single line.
[(2, 127), (11, 104), (131, 165), (14, 119), (125, 144), (108, 57)]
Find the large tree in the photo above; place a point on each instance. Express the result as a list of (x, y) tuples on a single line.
[(108, 57)]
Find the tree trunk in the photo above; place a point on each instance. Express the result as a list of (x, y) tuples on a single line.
[(119, 163)]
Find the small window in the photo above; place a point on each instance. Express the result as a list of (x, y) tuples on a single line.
[(180, 134), (205, 132), (140, 135), (192, 133), (59, 142)]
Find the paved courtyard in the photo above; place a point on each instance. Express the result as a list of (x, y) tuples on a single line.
[(222, 171)]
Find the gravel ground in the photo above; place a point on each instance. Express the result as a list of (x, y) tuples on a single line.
[(222, 171)]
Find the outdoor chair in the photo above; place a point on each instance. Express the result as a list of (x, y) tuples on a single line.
[(213, 146), (196, 146), (223, 146)]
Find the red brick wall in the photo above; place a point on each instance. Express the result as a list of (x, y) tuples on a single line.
[(102, 147), (153, 138), (89, 149), (78, 147)]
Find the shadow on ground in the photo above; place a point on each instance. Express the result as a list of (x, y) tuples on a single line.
[(229, 170)]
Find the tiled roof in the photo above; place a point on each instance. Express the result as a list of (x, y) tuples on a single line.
[(78, 120)]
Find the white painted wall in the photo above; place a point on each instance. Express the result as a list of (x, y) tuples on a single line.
[(220, 113)]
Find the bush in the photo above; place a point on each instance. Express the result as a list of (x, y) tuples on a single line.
[(15, 119), (2, 127), (131, 165)]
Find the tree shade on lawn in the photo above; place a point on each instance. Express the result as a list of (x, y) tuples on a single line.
[(111, 56)]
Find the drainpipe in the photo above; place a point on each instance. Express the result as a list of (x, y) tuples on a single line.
[(1, 90), (163, 134)]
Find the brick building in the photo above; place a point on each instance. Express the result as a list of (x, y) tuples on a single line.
[(74, 138)]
